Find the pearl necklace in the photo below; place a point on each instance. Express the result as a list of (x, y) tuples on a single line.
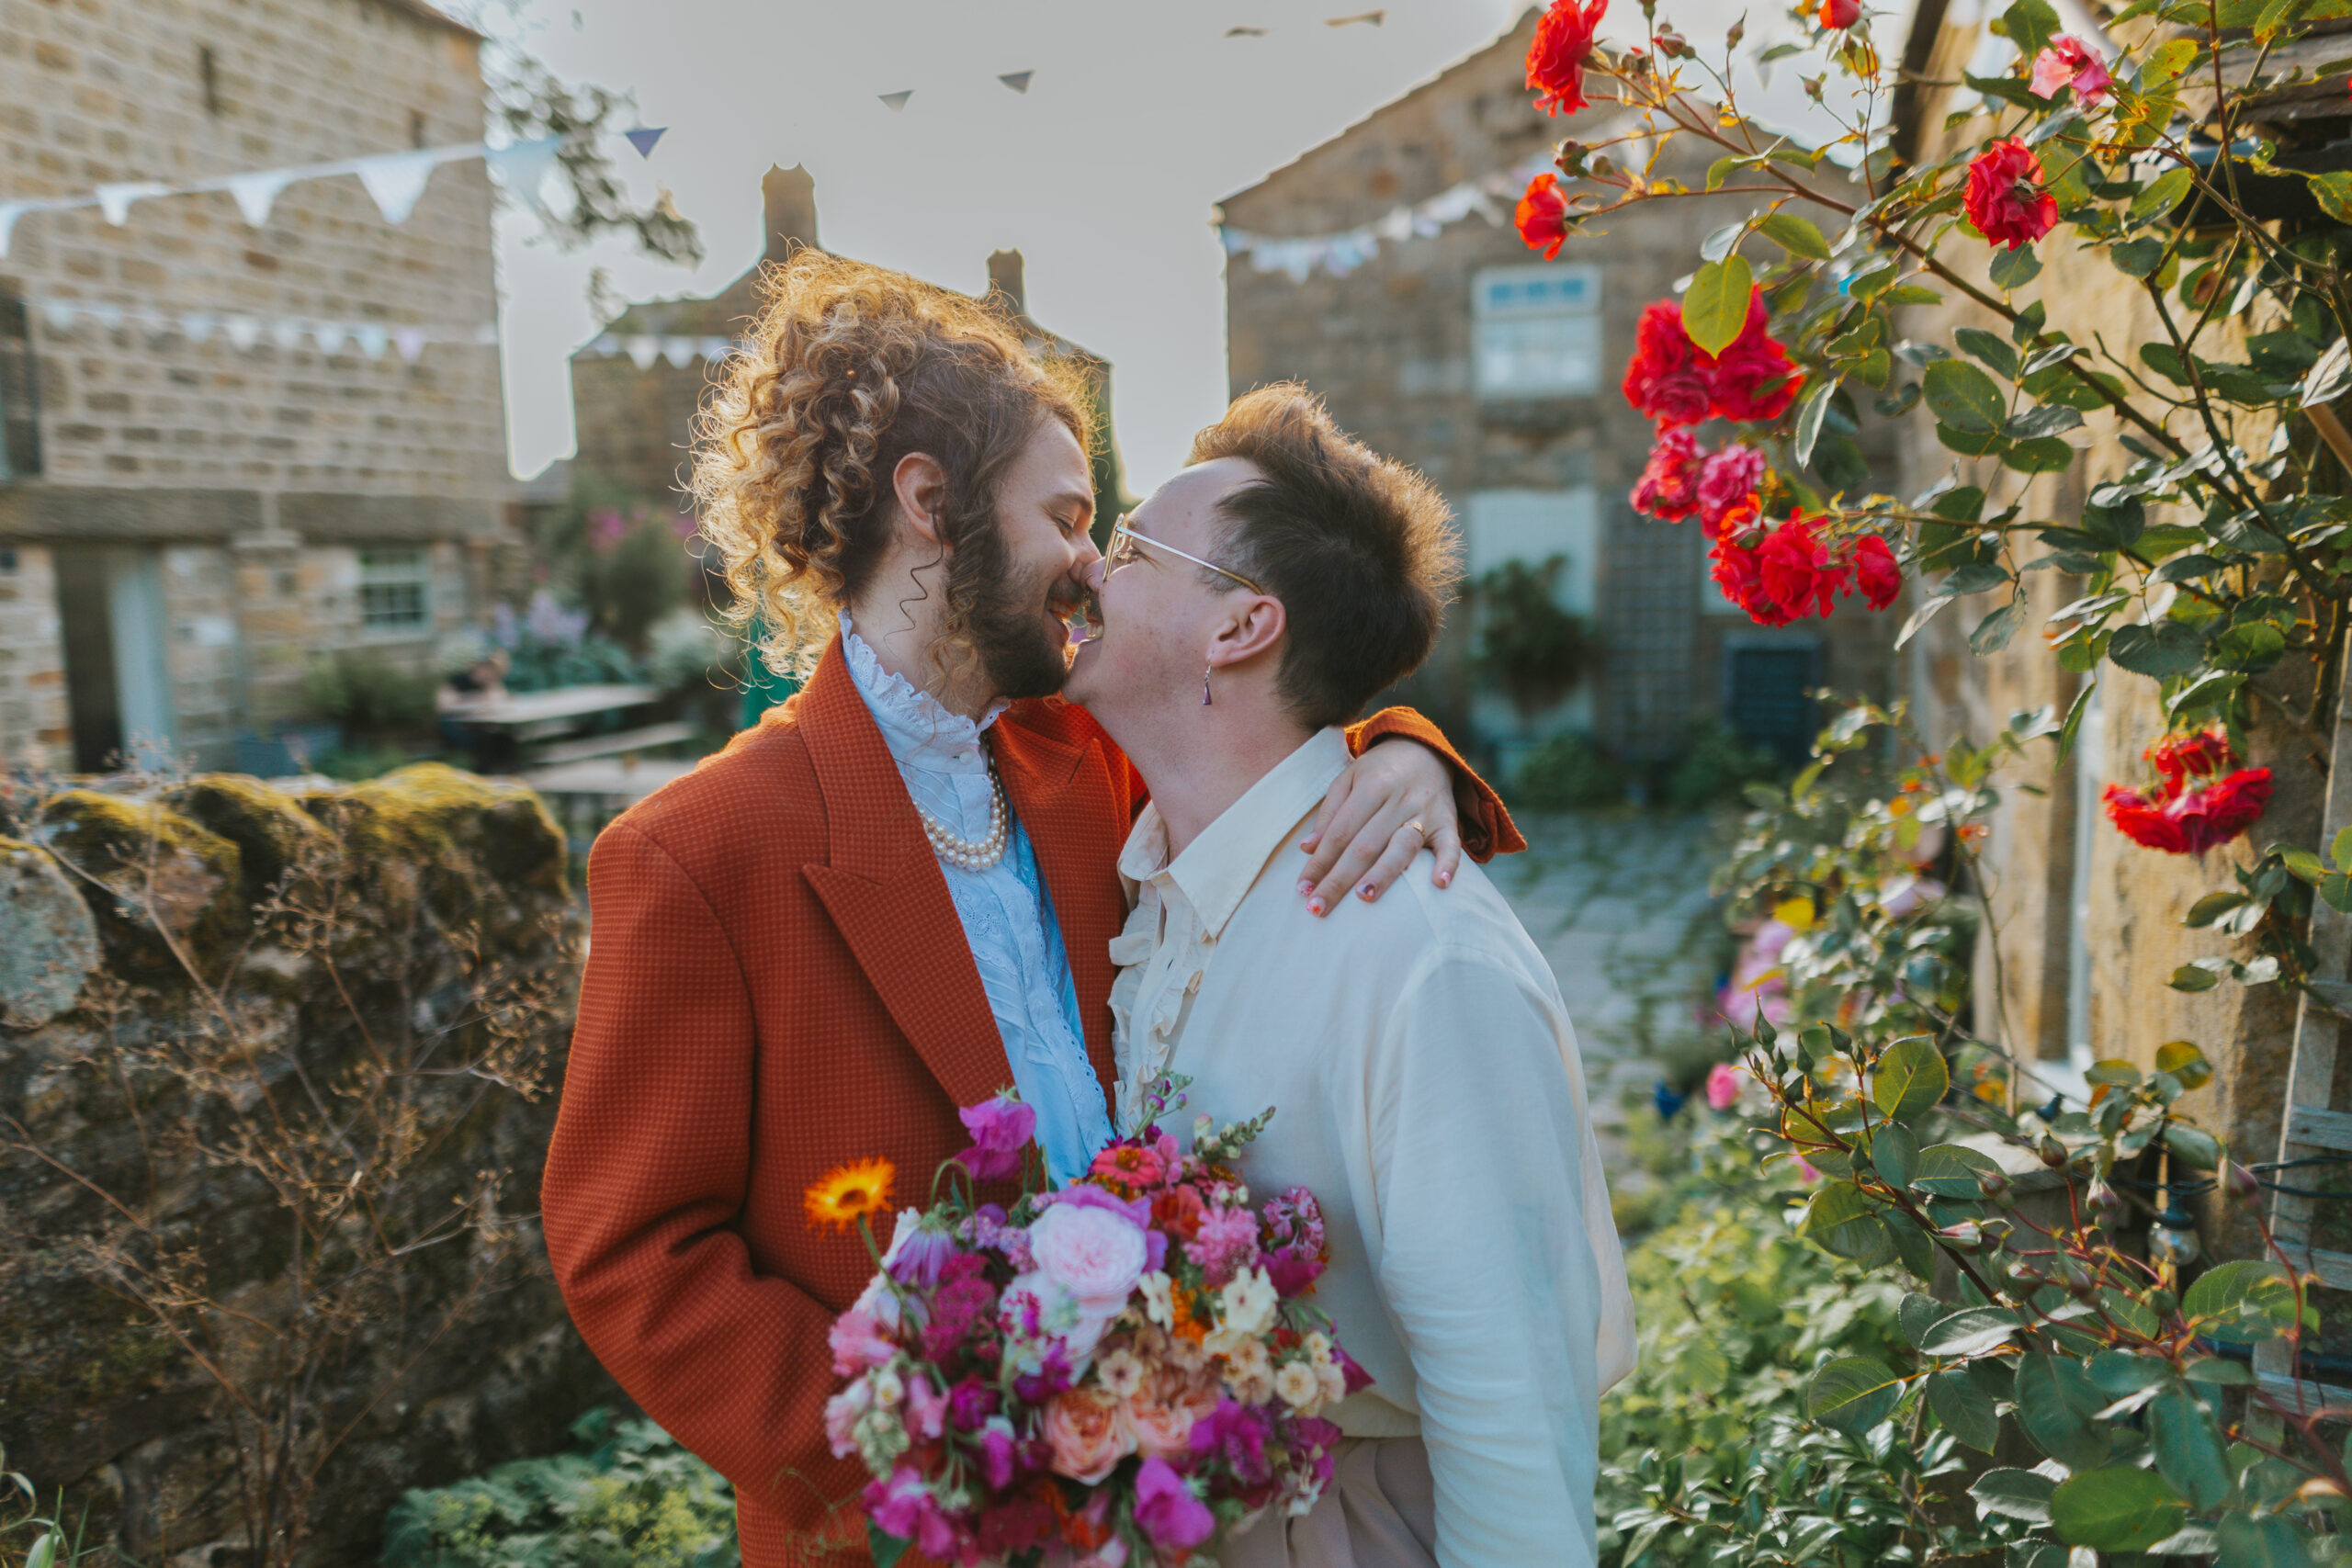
[(967, 854)]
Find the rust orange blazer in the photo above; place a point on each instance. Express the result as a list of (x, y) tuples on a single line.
[(777, 983)]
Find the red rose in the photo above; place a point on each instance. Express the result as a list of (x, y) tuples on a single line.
[(1733, 520), (2142, 820), (1668, 488), (2005, 197), (1737, 571), (1754, 378), (1666, 379), (1798, 570), (1840, 14), (1555, 60), (1543, 216), (2200, 754), (2223, 809), (1875, 573)]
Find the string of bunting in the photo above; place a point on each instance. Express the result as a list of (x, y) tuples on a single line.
[(245, 332), (1491, 197), (644, 348), (396, 181)]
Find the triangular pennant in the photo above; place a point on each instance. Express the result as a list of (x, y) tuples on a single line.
[(678, 351), (486, 334), (523, 167), (605, 346), (644, 350), (1016, 79), (644, 136), (714, 349), (286, 335), (371, 340), (1375, 17), (410, 341), (10, 212), (114, 199), (896, 101), (241, 331), (106, 316), (397, 180), (61, 316), (197, 326), (256, 194)]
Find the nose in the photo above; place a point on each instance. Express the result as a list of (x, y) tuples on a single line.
[(1093, 575)]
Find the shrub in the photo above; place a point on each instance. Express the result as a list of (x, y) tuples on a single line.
[(368, 694), (1713, 767), (1565, 773), (1527, 643), (629, 1497)]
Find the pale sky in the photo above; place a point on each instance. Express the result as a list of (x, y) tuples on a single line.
[(1140, 116)]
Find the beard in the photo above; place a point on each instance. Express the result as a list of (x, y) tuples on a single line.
[(1010, 634)]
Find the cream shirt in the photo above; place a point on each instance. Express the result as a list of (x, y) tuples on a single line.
[(1428, 1091)]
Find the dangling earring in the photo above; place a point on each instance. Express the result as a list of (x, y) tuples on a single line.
[(1204, 683)]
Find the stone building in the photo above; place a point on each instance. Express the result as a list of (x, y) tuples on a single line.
[(2084, 929), (1496, 373), (635, 389), (202, 490)]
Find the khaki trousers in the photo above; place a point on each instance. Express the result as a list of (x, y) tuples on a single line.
[(1380, 1511)]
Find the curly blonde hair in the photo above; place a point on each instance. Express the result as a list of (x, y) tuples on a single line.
[(848, 369)]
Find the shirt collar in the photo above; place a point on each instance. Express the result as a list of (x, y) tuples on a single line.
[(919, 729), (1218, 869)]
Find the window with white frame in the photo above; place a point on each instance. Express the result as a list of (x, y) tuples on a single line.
[(393, 589), (1536, 330)]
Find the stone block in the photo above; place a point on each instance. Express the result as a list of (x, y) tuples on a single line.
[(49, 943)]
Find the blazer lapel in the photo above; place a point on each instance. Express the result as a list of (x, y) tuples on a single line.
[(1061, 793), (882, 884)]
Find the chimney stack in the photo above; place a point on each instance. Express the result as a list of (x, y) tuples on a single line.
[(1005, 278), (790, 198)]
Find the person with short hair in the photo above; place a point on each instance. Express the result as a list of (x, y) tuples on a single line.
[(1422, 1068), (893, 897)]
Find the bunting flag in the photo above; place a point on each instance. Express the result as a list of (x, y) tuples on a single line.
[(1489, 196), (644, 349), (1374, 17), (1017, 80), (245, 333), (394, 181), (896, 101)]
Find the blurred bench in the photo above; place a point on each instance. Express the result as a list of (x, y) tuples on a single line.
[(620, 742)]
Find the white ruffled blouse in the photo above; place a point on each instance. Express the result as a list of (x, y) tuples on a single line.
[(1007, 914)]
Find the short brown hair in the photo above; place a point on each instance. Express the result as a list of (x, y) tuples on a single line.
[(849, 368), (1359, 548)]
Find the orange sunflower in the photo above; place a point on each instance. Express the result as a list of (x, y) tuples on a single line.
[(846, 1195)]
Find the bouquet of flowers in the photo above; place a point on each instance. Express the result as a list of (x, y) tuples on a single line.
[(1118, 1369)]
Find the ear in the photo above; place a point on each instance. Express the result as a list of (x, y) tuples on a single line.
[(1251, 624), (919, 485)]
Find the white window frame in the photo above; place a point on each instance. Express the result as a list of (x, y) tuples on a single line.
[(383, 570), (1536, 331)]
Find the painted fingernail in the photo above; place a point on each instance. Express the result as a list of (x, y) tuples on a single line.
[(1369, 891), (1307, 844), (1315, 906), (1445, 879), (1304, 887)]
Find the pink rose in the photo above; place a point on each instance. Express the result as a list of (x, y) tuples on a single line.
[(1088, 1434), (2071, 63), (857, 1344), (1723, 1086), (1168, 1512), (1092, 1253), (1162, 1412)]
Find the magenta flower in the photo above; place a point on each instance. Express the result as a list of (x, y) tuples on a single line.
[(858, 1343), (1166, 1509), (1227, 1240), (1000, 1128), (1723, 1086)]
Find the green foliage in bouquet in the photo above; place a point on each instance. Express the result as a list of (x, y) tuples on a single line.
[(628, 1497)]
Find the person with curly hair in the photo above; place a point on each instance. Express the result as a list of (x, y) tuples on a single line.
[(891, 899)]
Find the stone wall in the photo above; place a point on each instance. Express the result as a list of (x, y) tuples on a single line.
[(2086, 926), (204, 980), (1390, 348)]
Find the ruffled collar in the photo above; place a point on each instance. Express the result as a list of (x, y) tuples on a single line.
[(921, 730)]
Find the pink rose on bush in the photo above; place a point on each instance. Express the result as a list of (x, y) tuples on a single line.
[(2071, 63), (1723, 1086), (1726, 480), (2005, 199)]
